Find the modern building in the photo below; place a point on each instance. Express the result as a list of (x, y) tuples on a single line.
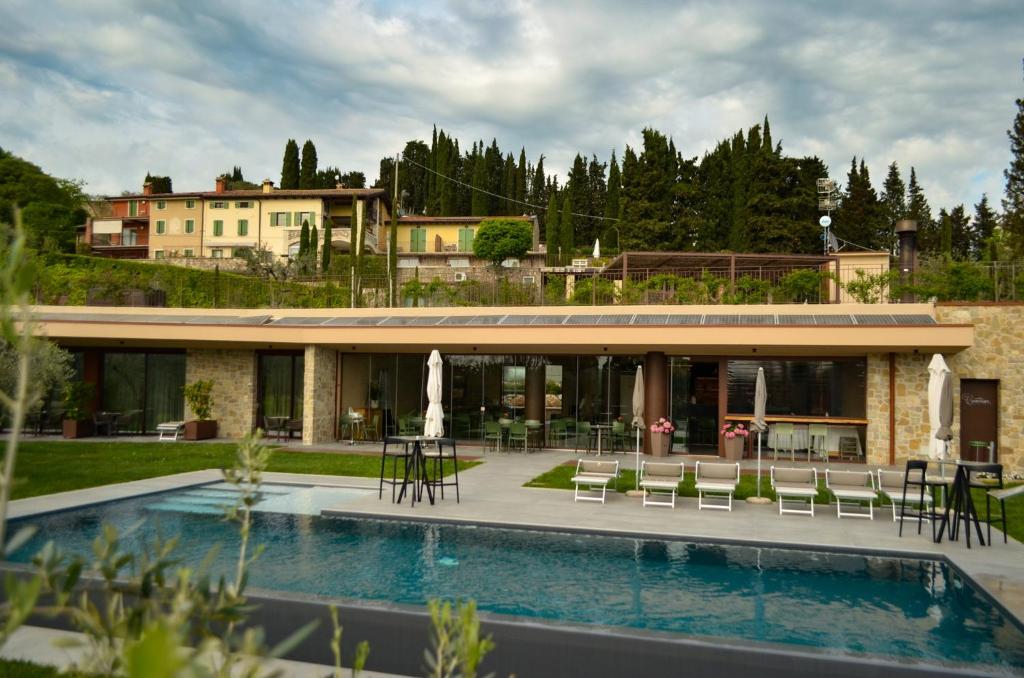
[(860, 370)]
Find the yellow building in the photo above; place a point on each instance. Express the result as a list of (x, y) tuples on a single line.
[(175, 228), (453, 235)]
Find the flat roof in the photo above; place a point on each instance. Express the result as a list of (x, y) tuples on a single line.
[(838, 329), (697, 260)]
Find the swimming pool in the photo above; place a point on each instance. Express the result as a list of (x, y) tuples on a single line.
[(850, 604)]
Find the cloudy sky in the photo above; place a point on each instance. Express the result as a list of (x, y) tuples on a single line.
[(106, 90)]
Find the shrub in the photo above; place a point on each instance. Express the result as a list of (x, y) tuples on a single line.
[(803, 285), (499, 239), (199, 396), (76, 397)]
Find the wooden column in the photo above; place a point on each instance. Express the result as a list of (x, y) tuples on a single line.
[(655, 391), (723, 401), (535, 392)]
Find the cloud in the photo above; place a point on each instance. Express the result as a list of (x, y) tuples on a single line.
[(105, 91)]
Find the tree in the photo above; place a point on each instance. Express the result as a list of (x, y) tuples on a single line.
[(307, 174), (304, 239), (353, 179), (646, 195), (985, 223), (158, 184), (290, 166), (963, 239), (480, 200), (859, 216), (893, 205), (325, 258), (566, 230), (51, 207), (314, 241), (551, 233), (1013, 198), (499, 239), (919, 211)]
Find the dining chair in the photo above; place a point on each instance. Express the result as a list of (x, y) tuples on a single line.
[(784, 439)]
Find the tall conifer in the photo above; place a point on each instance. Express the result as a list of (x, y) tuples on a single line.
[(290, 165), (1013, 198), (307, 172), (551, 233)]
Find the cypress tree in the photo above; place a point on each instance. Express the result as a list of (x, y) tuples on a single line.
[(479, 200), (893, 207), (307, 174), (290, 166), (945, 229), (304, 239), (985, 222), (566, 230), (325, 259), (551, 234), (508, 189), (521, 176), (314, 240), (858, 216), (538, 186), (919, 210), (1013, 199), (766, 137)]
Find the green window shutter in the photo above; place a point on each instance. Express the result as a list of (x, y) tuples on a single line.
[(418, 240), (218, 227), (190, 225), (465, 239), (243, 227), (412, 241), (287, 218)]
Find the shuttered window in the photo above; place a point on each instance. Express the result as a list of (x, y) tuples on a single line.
[(218, 227), (161, 226), (190, 225), (243, 227), (465, 239), (418, 240)]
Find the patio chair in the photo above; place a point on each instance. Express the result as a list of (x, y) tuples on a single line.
[(105, 423), (1001, 495), (293, 426), (394, 450), (592, 476), (817, 441), (619, 438), (583, 430), (558, 431), (492, 435), (658, 479), (275, 426), (534, 433), (373, 431), (853, 487), (345, 427), (517, 436), (785, 434), (991, 482), (798, 484), (849, 445), (901, 488), (716, 479)]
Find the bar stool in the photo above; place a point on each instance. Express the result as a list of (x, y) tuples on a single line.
[(914, 476), (989, 484), (398, 450), (436, 454)]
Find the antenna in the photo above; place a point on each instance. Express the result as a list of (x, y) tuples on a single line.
[(827, 201)]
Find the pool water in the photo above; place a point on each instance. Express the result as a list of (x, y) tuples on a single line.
[(840, 603)]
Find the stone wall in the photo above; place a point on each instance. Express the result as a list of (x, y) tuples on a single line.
[(234, 387), (318, 395), (878, 408)]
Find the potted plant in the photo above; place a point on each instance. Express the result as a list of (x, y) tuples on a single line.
[(661, 437), (76, 397), (199, 396), (735, 435)]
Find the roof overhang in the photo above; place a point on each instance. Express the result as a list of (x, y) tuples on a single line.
[(584, 330)]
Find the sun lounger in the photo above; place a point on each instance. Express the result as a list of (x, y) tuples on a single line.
[(170, 430), (593, 476), (853, 487), (717, 480), (795, 483), (890, 484), (661, 479)]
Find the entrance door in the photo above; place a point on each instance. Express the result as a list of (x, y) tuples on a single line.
[(979, 417)]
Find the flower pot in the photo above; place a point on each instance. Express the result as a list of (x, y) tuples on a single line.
[(661, 444), (200, 430), (734, 448), (77, 428)]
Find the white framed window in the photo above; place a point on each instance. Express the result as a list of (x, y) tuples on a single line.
[(218, 205), (238, 252), (280, 218), (161, 204), (529, 280), (458, 262), (190, 204), (243, 204), (305, 216), (159, 254), (190, 225), (217, 253)]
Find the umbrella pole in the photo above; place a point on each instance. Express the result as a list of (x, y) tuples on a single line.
[(637, 470), (758, 463)]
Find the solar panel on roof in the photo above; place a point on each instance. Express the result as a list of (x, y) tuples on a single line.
[(913, 319), (795, 319), (685, 319), (295, 320), (342, 321), (739, 319), (617, 319), (517, 320), (871, 319), (457, 320), (650, 319), (487, 319), (582, 319), (548, 320), (833, 319), (416, 321)]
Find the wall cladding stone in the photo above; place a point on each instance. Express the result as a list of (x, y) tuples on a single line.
[(234, 387), (878, 408), (318, 395)]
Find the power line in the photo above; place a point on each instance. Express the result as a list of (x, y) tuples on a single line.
[(501, 197)]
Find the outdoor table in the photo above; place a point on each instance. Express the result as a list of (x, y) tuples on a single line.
[(108, 419), (600, 428), (418, 468), (276, 424), (961, 505)]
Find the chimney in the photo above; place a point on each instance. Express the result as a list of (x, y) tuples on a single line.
[(906, 230), (221, 184), (268, 186), (147, 188)]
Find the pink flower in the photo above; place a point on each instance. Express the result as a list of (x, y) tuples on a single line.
[(730, 435)]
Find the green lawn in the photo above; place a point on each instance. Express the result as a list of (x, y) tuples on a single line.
[(560, 478), (58, 466), (23, 669)]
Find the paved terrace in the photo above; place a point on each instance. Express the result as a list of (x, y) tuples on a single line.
[(493, 493)]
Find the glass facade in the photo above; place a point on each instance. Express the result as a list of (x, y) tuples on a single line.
[(279, 385), (145, 388), (810, 388)]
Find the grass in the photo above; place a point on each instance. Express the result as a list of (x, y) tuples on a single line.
[(45, 467), (24, 669), (560, 478)]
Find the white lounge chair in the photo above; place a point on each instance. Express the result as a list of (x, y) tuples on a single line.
[(853, 487), (795, 483), (716, 480), (170, 430), (661, 479), (592, 476), (890, 484)]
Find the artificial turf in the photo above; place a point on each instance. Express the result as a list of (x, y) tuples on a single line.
[(45, 467)]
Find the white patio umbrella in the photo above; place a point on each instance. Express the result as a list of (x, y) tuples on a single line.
[(758, 424), (937, 371), (597, 248), (638, 415), (433, 426)]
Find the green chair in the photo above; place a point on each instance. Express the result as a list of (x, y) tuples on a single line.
[(817, 441), (619, 437), (557, 431), (784, 435), (583, 430), (345, 424), (535, 433), (492, 435), (517, 435)]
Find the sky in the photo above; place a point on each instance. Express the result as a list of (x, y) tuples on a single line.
[(105, 90)]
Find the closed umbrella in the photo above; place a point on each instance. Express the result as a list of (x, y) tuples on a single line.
[(597, 248), (433, 426), (937, 370), (945, 431), (638, 415), (759, 424)]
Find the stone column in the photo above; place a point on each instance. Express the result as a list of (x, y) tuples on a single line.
[(655, 391), (318, 395), (535, 392), (878, 406), (234, 387)]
